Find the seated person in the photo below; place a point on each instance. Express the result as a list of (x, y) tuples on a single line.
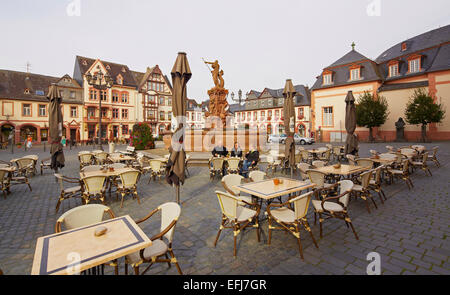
[(251, 158), (219, 151), (236, 151)]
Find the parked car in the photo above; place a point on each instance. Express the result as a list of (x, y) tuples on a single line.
[(303, 140), (277, 138)]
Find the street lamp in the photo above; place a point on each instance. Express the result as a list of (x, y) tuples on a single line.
[(239, 95), (101, 82)]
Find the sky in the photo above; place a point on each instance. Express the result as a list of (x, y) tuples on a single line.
[(258, 43)]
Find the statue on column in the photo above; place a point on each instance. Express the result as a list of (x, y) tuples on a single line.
[(218, 105)]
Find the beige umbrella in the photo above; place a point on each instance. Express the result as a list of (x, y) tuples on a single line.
[(55, 121), (181, 73), (289, 122), (351, 143)]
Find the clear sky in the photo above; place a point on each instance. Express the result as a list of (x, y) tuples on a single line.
[(258, 43)]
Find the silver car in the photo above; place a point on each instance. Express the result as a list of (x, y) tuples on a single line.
[(303, 140)]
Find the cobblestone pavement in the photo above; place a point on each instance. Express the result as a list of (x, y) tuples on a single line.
[(410, 231)]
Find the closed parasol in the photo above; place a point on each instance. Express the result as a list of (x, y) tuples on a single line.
[(181, 73), (351, 143), (289, 122), (55, 121)]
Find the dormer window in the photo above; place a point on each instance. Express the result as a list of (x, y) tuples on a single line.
[(119, 80), (403, 46), (354, 74), (108, 67), (84, 62), (327, 77), (414, 65), (393, 70), (27, 91)]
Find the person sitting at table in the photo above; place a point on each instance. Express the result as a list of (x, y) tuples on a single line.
[(251, 158), (219, 150), (236, 150)]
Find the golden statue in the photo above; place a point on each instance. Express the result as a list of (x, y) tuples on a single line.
[(215, 72), (218, 105)]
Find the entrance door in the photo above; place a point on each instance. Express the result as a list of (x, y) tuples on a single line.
[(73, 134)]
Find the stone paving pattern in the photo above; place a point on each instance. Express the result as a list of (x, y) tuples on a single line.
[(410, 231)]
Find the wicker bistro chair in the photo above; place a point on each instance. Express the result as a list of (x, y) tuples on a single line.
[(85, 159), (402, 173), (325, 156), (306, 156), (272, 164), (351, 159), (128, 184), (67, 193), (4, 182), (303, 167), (291, 220), (236, 216), (230, 180), (233, 165), (433, 157), (157, 169), (363, 162), (337, 154), (45, 164), (20, 177), (94, 187), (25, 166), (82, 216), (318, 163), (170, 212), (375, 183), (256, 175), (422, 164), (363, 190), (34, 158), (215, 167), (335, 207), (318, 178), (101, 158)]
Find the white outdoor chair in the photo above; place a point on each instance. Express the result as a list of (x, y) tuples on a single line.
[(170, 213), (364, 162), (291, 220), (363, 190), (422, 164), (101, 158), (272, 164), (83, 216), (230, 180), (215, 167), (318, 163), (256, 175), (318, 178), (85, 159), (402, 173), (335, 207), (157, 169), (67, 192), (303, 167), (433, 157), (94, 188), (233, 165), (128, 185), (236, 216)]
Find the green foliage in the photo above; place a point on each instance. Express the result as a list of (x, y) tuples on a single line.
[(421, 109), (371, 112), (141, 137)]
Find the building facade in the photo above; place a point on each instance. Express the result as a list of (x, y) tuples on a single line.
[(264, 111), (118, 103), (23, 97), (419, 62), (154, 104), (195, 114)]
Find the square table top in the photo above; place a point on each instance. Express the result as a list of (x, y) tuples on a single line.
[(343, 170), (55, 253), (266, 189)]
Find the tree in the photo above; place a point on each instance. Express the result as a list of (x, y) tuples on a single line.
[(141, 137), (422, 110), (371, 112)]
